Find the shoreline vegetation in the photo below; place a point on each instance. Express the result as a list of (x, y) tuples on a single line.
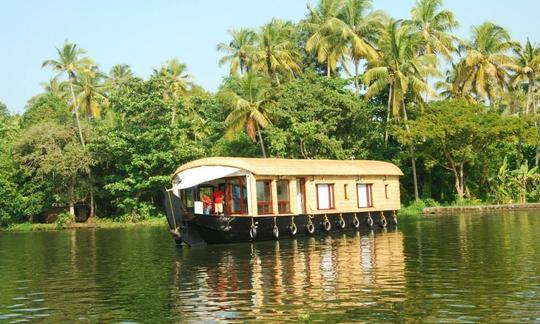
[(416, 209), (96, 223), (458, 116)]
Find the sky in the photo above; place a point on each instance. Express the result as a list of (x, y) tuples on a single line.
[(144, 34)]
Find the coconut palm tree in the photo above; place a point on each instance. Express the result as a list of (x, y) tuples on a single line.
[(451, 87), (434, 26), (400, 71), (176, 81), (361, 28), (527, 71), (90, 91), (119, 75), (486, 64), (71, 63), (239, 51), (248, 105), (276, 52), (55, 88), (325, 41)]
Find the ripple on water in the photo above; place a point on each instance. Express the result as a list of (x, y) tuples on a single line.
[(438, 269)]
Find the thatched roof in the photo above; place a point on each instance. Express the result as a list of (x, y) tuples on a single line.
[(289, 167)]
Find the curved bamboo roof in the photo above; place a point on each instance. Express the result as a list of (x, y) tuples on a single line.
[(292, 167)]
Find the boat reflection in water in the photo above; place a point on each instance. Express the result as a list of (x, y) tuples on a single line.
[(339, 275)]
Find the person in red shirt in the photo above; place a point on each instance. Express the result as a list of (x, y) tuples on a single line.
[(218, 201)]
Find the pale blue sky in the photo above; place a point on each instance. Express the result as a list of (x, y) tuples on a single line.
[(144, 34)]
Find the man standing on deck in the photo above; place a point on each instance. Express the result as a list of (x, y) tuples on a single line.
[(218, 201)]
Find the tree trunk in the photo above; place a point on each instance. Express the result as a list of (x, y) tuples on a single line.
[(328, 68), (173, 117), (530, 96), (76, 107), (356, 83), (388, 112), (411, 151), (263, 150), (71, 193)]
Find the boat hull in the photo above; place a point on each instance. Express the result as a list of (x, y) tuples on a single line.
[(196, 229)]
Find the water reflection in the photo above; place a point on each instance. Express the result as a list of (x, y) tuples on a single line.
[(466, 268), (285, 278)]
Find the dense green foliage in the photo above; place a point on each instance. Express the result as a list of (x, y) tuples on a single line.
[(346, 82)]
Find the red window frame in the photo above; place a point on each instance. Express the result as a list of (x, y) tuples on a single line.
[(369, 195), (229, 198), (283, 203), (331, 196), (263, 204)]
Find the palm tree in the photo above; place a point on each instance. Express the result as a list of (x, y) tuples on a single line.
[(176, 80), (55, 88), (90, 93), (399, 69), (401, 72), (434, 26), (486, 65), (361, 29), (119, 75), (239, 51), (276, 50), (248, 108), (527, 71), (70, 63), (328, 44)]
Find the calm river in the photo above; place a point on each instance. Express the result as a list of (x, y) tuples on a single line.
[(441, 268)]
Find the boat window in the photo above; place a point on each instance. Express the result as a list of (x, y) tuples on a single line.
[(345, 191), (386, 192), (189, 197), (325, 196), (365, 195), (284, 204), (264, 197), (205, 190), (236, 196)]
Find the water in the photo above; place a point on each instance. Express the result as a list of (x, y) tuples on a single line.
[(439, 269)]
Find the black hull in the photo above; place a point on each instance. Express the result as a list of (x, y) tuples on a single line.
[(206, 229), (195, 229)]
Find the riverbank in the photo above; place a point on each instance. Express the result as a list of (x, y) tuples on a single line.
[(477, 208), (97, 223)]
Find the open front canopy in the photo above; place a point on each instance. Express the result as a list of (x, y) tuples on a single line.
[(195, 176)]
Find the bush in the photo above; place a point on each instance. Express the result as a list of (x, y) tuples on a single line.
[(63, 220), (417, 206)]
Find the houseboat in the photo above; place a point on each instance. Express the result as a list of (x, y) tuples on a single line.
[(228, 199)]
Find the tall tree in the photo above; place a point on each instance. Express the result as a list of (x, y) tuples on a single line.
[(527, 71), (119, 75), (486, 65), (71, 63), (434, 25), (239, 51), (401, 72), (90, 92), (177, 82), (325, 41), (361, 28), (276, 51), (248, 103)]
